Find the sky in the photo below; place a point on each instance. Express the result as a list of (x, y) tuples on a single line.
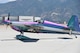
[(4, 1), (63, 0)]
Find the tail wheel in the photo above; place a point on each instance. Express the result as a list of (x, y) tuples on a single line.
[(70, 33)]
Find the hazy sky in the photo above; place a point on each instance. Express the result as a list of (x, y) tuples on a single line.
[(4, 1)]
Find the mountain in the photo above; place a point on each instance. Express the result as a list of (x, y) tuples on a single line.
[(53, 10)]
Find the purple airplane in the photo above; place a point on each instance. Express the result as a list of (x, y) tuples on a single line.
[(43, 26)]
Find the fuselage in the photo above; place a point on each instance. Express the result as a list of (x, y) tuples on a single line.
[(45, 27)]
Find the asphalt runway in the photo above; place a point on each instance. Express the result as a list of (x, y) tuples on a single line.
[(47, 43)]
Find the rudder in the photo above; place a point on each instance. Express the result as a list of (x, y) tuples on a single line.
[(73, 23)]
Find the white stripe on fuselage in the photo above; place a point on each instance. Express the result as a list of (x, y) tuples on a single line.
[(55, 29), (60, 30)]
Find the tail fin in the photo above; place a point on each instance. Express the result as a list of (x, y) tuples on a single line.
[(73, 23)]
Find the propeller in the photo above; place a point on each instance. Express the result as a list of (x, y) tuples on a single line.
[(8, 23), (8, 16)]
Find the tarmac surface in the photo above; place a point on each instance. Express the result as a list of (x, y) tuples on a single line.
[(47, 43)]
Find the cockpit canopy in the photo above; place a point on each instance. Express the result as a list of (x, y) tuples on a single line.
[(40, 21)]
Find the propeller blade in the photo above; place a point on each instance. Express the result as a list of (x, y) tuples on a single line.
[(9, 24), (8, 19), (8, 16)]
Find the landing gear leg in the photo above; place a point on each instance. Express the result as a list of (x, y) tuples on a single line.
[(21, 33), (21, 36), (70, 33)]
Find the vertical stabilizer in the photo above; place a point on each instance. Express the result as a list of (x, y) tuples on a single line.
[(73, 23)]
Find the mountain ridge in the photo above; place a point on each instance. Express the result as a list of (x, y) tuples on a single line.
[(50, 10)]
